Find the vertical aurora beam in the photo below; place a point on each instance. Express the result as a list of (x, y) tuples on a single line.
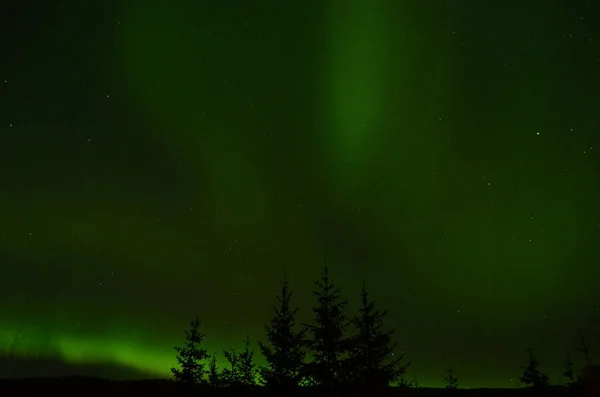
[(357, 70)]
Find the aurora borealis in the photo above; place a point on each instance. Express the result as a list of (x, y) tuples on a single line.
[(161, 159)]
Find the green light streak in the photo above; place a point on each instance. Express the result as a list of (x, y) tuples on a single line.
[(356, 92)]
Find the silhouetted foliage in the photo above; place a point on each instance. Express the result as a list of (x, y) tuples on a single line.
[(247, 367), (366, 359), (451, 380), (214, 377), (231, 375), (531, 373), (568, 371), (190, 356), (372, 360), (585, 349), (285, 355), (328, 344)]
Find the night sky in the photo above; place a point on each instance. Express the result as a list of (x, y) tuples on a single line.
[(161, 159)]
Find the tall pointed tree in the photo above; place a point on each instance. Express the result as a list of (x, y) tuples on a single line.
[(372, 358), (585, 349), (328, 344), (190, 356), (214, 378), (247, 366), (531, 372), (285, 352)]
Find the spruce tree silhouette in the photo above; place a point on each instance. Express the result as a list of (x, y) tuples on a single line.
[(451, 381), (585, 349), (328, 345), (531, 373), (589, 376), (568, 371), (231, 375), (214, 377), (190, 356), (372, 361), (247, 367), (286, 353)]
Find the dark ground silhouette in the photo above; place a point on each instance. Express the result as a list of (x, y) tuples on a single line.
[(99, 387)]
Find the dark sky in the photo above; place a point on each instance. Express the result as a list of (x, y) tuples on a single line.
[(159, 161)]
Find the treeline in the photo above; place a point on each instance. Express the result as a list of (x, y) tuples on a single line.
[(322, 353), (367, 358), (588, 377)]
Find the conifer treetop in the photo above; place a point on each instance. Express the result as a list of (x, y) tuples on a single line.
[(531, 373), (585, 349), (372, 358), (328, 344), (190, 356), (247, 366), (285, 352)]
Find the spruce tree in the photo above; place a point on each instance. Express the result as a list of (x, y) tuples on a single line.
[(214, 378), (531, 373), (190, 356), (372, 360), (231, 375), (585, 350), (451, 381), (328, 344), (247, 367), (285, 352), (568, 372)]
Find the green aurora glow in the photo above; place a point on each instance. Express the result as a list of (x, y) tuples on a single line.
[(165, 160)]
